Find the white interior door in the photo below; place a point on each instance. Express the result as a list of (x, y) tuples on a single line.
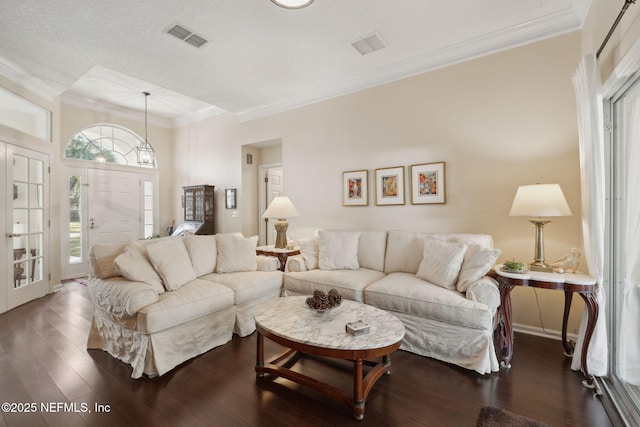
[(27, 225), (273, 187), (114, 206)]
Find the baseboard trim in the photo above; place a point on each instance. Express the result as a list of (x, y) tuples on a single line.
[(545, 333), (57, 288)]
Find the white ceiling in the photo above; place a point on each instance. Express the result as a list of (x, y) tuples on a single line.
[(260, 59)]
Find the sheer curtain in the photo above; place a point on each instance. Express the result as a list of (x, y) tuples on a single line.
[(586, 82), (629, 354)]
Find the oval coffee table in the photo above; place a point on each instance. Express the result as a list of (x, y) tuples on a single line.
[(290, 323)]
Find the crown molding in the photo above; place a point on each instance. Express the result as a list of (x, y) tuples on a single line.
[(125, 113), (19, 76), (508, 38)]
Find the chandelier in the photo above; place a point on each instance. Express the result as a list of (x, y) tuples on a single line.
[(144, 150)]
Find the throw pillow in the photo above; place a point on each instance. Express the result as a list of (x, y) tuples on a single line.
[(309, 251), (102, 256), (338, 250), (478, 260), (203, 252), (236, 253), (133, 264), (171, 261), (441, 262)]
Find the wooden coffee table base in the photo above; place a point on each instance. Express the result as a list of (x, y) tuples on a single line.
[(361, 385)]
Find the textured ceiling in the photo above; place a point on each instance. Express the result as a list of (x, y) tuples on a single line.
[(260, 59)]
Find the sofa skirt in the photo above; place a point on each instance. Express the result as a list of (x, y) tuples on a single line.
[(156, 354), (469, 348)]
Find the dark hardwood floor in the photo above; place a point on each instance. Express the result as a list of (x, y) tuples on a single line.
[(44, 361)]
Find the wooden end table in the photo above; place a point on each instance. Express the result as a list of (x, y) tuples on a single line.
[(281, 254), (290, 323), (569, 283)]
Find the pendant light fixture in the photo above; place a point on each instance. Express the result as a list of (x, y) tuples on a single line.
[(293, 4), (144, 150)]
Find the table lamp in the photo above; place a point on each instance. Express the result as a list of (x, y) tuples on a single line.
[(280, 209), (539, 200)]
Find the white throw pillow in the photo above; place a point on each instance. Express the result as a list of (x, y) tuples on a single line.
[(309, 251), (203, 252), (441, 262), (171, 261), (102, 256), (338, 250), (133, 264), (236, 253), (478, 260)]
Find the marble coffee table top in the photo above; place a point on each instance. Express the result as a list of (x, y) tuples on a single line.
[(290, 318)]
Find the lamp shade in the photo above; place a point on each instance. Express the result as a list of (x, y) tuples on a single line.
[(280, 207), (540, 200)]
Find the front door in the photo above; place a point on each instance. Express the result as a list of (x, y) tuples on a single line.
[(27, 225), (114, 212)]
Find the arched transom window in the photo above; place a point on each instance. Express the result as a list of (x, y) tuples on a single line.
[(106, 143)]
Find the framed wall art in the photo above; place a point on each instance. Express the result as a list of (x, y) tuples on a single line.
[(355, 188), (427, 183), (390, 186)]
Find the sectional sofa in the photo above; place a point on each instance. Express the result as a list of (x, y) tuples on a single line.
[(435, 284), (160, 302)]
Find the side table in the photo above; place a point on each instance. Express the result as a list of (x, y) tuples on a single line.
[(281, 254), (569, 283)]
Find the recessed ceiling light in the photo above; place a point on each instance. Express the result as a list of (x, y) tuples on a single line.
[(292, 4)]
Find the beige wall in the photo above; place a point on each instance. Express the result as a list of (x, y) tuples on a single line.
[(498, 122)]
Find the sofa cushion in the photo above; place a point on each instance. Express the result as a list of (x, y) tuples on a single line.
[(406, 293), (102, 256), (404, 251), (171, 260), (349, 283), (371, 249), (309, 251), (441, 262), (194, 300), (134, 264), (338, 250), (236, 253), (249, 286), (203, 252), (478, 260)]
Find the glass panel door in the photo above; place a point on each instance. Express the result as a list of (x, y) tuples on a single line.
[(27, 213)]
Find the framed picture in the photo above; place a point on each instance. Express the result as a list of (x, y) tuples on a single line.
[(427, 183), (355, 188), (390, 186), (230, 198)]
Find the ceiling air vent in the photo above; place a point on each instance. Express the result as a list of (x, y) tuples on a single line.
[(368, 44), (186, 35)]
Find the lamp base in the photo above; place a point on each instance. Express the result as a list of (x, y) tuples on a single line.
[(281, 226), (540, 267)]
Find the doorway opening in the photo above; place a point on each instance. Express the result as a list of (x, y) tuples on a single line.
[(262, 178)]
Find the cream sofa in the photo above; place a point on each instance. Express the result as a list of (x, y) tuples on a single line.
[(160, 302), (435, 284)]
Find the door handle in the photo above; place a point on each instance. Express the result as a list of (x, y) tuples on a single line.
[(10, 235), (92, 224)]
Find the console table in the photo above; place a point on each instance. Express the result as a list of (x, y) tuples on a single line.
[(281, 254), (569, 283)]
